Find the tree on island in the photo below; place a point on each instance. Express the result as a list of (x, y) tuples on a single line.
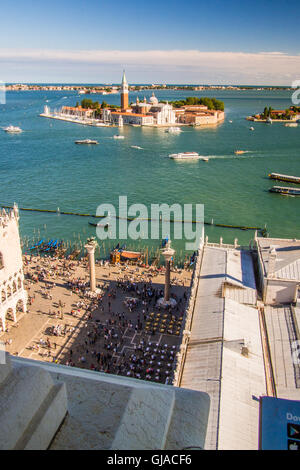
[(211, 103)]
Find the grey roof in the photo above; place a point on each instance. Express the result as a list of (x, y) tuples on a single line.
[(240, 280), (287, 264), (220, 328), (202, 369), (281, 334)]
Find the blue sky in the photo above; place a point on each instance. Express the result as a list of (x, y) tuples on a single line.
[(217, 41)]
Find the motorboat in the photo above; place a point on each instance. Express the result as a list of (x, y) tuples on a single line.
[(136, 147), (173, 130), (239, 152), (185, 156), (118, 137), (13, 129), (87, 141), (251, 128), (291, 124)]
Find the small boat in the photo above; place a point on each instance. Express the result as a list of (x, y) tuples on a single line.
[(269, 121), (136, 147), (287, 191), (239, 152), (99, 225), (13, 129), (173, 130), (251, 128), (87, 141), (205, 159), (118, 137), (185, 156), (230, 122), (280, 177), (291, 124)]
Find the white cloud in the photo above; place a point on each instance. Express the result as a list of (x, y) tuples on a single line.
[(231, 67)]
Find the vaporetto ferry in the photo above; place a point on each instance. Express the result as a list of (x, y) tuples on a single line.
[(287, 191), (280, 177)]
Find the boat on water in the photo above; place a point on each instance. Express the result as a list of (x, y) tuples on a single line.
[(87, 141), (13, 129), (269, 121), (118, 137), (186, 156), (136, 147), (173, 130), (251, 128), (287, 191), (291, 124), (99, 225), (239, 152), (280, 177)]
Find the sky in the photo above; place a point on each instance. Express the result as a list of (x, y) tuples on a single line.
[(193, 41)]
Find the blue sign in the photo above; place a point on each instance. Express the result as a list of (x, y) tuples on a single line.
[(279, 424)]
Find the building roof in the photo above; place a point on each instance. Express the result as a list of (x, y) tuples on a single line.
[(281, 335), (214, 363), (287, 264), (239, 283)]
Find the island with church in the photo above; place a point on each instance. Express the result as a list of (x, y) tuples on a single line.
[(189, 112)]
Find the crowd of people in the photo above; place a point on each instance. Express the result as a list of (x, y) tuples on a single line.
[(107, 331)]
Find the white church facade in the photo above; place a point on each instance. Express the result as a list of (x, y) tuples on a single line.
[(13, 297)]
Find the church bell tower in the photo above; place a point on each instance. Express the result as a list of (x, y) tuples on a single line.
[(124, 93)]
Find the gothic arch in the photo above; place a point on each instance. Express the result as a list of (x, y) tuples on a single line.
[(3, 295)]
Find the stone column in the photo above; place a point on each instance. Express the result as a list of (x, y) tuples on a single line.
[(167, 282), (90, 246), (167, 253)]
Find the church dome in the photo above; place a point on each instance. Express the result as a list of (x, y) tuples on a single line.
[(153, 100)]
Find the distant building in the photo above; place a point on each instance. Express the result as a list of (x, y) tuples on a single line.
[(78, 111), (198, 115), (13, 296), (163, 113)]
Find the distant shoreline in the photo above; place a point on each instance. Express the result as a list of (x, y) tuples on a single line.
[(115, 89)]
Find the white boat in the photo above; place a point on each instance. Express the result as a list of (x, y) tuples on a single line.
[(136, 147), (291, 124), (86, 141), (251, 128), (13, 129), (173, 130), (118, 137), (186, 156)]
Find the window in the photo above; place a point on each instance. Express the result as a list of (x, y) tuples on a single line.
[(1, 261)]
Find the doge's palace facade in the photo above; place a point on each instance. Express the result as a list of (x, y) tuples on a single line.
[(13, 296)]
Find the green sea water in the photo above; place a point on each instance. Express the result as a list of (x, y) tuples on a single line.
[(43, 168)]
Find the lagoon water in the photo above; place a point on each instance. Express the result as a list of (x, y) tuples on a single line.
[(43, 168)]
